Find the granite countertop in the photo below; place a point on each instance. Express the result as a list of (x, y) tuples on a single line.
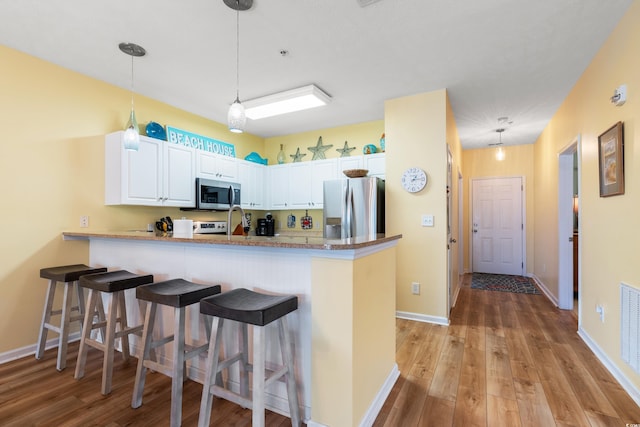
[(299, 242)]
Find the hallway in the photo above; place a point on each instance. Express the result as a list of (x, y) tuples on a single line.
[(506, 360)]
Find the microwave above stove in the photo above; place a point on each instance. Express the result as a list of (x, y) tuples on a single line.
[(216, 195)]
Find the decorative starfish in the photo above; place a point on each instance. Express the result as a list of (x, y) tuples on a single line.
[(319, 149), (298, 156), (345, 151)]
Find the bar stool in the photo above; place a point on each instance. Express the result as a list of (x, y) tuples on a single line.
[(69, 275), (249, 307), (177, 293), (112, 283)]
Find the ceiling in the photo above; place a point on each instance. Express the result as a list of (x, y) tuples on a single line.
[(496, 58)]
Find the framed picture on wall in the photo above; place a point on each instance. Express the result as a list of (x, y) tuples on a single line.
[(611, 161)]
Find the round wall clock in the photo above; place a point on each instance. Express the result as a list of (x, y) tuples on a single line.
[(414, 180)]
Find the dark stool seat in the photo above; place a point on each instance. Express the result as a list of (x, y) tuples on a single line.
[(180, 294), (69, 275), (113, 284), (258, 309)]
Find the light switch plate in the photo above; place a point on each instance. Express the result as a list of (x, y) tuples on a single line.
[(427, 220)]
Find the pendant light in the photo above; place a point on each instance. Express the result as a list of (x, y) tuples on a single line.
[(236, 118), (131, 132), (500, 152)]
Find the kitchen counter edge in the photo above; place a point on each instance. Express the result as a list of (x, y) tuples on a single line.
[(297, 242)]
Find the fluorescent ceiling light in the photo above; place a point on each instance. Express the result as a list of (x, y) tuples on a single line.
[(285, 102)]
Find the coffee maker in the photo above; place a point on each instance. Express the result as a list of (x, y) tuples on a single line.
[(266, 226)]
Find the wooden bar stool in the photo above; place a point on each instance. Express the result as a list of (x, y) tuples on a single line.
[(112, 283), (177, 293), (68, 275), (249, 307)]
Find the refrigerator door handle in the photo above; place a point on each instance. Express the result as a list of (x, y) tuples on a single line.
[(349, 216)]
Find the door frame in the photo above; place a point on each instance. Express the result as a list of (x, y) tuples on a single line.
[(565, 223), (523, 208)]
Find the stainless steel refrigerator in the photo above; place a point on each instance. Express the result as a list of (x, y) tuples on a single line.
[(353, 207)]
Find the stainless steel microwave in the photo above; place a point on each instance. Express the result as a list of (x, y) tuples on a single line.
[(216, 195)]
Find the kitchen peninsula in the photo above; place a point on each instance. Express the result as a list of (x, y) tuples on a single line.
[(343, 330)]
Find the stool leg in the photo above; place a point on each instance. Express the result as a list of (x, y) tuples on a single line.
[(287, 359), (107, 364), (179, 368), (80, 294), (257, 417), (123, 325), (46, 318), (212, 368), (244, 362), (63, 337), (86, 332), (141, 372)]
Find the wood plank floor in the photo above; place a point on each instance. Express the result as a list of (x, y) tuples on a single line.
[(506, 360)]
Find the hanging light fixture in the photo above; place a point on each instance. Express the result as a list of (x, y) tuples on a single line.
[(131, 132), (236, 118), (500, 152)]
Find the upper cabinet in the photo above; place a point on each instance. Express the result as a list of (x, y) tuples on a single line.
[(278, 195), (306, 183), (375, 164), (215, 166), (158, 174), (251, 177)]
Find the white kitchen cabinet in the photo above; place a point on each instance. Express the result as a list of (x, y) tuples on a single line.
[(344, 163), (278, 188), (251, 177), (306, 183), (158, 174), (215, 166), (376, 164)]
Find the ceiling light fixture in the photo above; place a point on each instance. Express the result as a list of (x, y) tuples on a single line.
[(298, 99), (236, 118), (131, 132)]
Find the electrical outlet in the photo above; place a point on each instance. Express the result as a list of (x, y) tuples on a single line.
[(415, 288), (427, 221), (84, 221)]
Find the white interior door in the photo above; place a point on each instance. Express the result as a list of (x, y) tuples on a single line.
[(498, 225)]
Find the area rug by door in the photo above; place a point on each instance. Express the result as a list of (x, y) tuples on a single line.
[(503, 283)]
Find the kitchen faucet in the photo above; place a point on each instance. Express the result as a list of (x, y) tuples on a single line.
[(245, 224)]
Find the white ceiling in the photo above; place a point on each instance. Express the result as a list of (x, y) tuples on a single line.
[(496, 58)]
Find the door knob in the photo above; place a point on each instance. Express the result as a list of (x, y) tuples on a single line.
[(452, 240), (475, 231)]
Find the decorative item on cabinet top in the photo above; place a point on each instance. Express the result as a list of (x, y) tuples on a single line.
[(369, 149), (319, 149), (345, 151), (298, 156), (200, 142), (355, 173), (255, 157), (155, 130)]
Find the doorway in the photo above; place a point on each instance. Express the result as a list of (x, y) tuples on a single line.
[(568, 193), (497, 225)]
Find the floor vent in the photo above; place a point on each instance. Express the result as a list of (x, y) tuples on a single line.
[(630, 325)]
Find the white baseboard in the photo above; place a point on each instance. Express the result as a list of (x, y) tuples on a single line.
[(422, 318), (381, 397), (30, 350), (544, 289), (627, 385)]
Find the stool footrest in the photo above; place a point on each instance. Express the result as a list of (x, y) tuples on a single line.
[(159, 367), (161, 342), (192, 351), (53, 328), (216, 390)]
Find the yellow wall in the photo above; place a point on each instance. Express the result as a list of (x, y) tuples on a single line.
[(52, 172), (357, 136), (355, 301), (482, 163), (610, 237), (416, 136)]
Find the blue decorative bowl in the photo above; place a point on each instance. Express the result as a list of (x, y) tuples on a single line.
[(369, 149), (255, 157), (155, 130)]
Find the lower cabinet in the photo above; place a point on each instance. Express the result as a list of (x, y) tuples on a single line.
[(158, 174)]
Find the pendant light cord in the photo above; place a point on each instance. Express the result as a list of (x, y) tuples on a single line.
[(237, 50), (131, 82)]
